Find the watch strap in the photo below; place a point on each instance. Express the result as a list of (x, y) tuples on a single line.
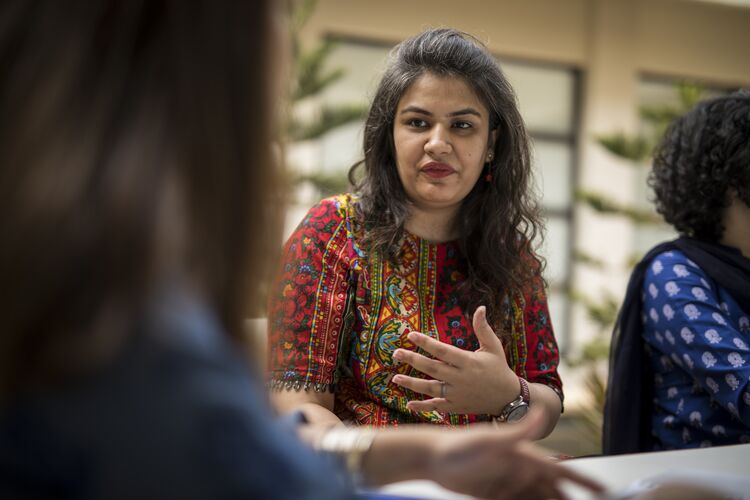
[(525, 393)]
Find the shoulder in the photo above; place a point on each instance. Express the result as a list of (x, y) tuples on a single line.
[(182, 332), (328, 217), (671, 277), (330, 210), (178, 399), (674, 265), (208, 403), (333, 221)]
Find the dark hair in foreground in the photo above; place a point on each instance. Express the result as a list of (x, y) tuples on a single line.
[(127, 132), (703, 155), (499, 220)]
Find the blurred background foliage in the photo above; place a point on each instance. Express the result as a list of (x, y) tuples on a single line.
[(308, 119)]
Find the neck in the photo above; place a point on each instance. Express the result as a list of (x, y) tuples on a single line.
[(435, 225), (736, 222)]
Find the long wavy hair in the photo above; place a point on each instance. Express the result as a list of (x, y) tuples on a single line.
[(703, 155), (499, 219)]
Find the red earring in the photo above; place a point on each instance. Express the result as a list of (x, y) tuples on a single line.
[(488, 177)]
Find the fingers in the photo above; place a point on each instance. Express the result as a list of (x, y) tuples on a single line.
[(444, 352), (432, 388), (558, 471), (548, 476), (434, 404), (484, 332), (435, 368)]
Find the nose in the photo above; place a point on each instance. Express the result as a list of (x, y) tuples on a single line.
[(438, 143)]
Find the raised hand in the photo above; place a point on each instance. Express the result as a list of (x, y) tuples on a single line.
[(462, 381)]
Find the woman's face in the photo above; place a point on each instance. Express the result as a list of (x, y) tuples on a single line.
[(442, 138)]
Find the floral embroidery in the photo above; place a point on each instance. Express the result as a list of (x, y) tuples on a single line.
[(338, 314)]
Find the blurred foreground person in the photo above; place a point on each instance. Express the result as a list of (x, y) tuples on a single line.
[(127, 132), (136, 196), (680, 372)]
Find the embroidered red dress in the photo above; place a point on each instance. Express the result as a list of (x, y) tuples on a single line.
[(338, 314)]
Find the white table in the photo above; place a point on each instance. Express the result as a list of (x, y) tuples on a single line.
[(616, 473)]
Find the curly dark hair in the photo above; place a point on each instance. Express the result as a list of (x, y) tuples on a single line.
[(498, 220), (703, 155)]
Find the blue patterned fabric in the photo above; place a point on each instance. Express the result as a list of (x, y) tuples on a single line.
[(698, 339)]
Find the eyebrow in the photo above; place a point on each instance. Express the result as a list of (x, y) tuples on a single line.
[(465, 111)]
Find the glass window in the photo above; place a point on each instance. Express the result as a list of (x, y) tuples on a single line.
[(341, 147), (556, 249), (362, 64), (545, 96), (553, 172)]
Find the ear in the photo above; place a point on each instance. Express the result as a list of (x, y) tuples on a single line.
[(489, 154)]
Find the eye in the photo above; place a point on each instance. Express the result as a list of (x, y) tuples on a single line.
[(462, 125), (416, 123)]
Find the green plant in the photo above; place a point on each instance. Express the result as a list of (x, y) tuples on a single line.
[(311, 76)]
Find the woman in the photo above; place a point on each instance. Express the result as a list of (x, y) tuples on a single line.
[(134, 138), (419, 297), (680, 376)]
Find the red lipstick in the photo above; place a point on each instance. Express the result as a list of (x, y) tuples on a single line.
[(437, 170)]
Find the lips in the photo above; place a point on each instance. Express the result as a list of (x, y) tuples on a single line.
[(437, 170)]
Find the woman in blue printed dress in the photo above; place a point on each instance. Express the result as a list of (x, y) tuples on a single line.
[(680, 373)]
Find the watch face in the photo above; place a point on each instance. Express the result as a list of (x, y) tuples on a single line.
[(518, 413)]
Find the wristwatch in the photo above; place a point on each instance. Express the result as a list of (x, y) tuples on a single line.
[(518, 408)]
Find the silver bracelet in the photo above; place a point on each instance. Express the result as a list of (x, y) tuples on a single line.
[(352, 444)]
